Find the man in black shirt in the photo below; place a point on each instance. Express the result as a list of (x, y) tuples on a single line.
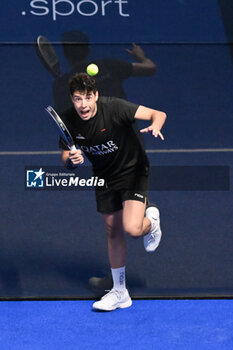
[(102, 128)]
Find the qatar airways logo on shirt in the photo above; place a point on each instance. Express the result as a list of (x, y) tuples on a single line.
[(100, 150), (87, 8)]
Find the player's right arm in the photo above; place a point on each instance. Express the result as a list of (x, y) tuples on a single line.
[(71, 159)]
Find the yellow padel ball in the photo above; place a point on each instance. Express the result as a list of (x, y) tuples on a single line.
[(92, 69)]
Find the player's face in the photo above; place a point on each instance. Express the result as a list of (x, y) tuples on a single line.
[(85, 104)]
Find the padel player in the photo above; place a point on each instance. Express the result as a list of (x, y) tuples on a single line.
[(103, 130)]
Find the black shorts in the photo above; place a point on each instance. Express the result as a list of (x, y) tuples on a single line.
[(110, 199)]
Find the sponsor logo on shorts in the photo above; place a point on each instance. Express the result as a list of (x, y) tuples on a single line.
[(138, 195)]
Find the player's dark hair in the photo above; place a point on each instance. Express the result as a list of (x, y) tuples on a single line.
[(82, 82)]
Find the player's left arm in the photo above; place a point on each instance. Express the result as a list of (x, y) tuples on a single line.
[(157, 119)]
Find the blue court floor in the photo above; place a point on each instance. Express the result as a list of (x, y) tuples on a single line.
[(148, 324)]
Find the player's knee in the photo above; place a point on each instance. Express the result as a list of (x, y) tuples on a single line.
[(133, 230)]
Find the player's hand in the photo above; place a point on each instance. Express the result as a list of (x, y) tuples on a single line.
[(155, 132), (76, 157), (136, 52)]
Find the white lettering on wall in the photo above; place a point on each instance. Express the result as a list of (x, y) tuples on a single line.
[(87, 13), (56, 8), (55, 12), (37, 7)]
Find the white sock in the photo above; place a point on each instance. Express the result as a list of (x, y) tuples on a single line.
[(118, 276)]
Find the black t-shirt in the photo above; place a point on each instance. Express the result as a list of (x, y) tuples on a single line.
[(109, 139)]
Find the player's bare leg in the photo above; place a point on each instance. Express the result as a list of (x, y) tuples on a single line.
[(118, 297), (134, 221), (116, 239)]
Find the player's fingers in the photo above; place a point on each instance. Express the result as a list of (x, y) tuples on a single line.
[(144, 130), (75, 152), (76, 158), (149, 128), (72, 156), (72, 153), (156, 133), (81, 160), (78, 161), (161, 135)]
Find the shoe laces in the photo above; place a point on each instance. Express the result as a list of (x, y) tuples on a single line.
[(155, 227), (112, 292), (152, 237)]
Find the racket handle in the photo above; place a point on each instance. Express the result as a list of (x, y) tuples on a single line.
[(73, 148)]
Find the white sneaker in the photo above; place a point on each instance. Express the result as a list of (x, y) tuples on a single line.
[(152, 238), (113, 300)]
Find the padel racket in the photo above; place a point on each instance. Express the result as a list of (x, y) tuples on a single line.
[(48, 56), (65, 134)]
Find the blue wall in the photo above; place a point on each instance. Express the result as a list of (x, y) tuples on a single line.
[(153, 21)]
